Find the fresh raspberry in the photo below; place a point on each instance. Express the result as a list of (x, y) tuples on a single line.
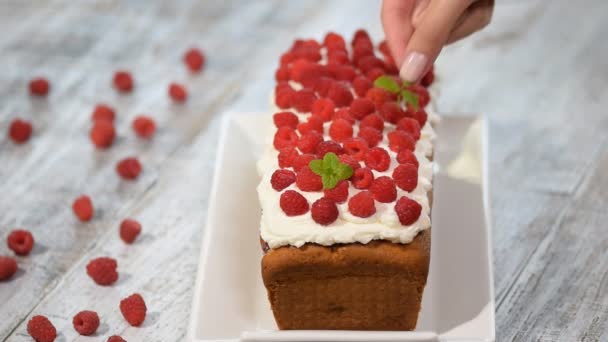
[(339, 193), (323, 108), (361, 85), (423, 94), (324, 211), (391, 112), (103, 112), (283, 97), (305, 72), (362, 178), (390, 66), (406, 176), (144, 126), (314, 124), (420, 115), (322, 86), (302, 160), (281, 179), (378, 159), (133, 309), (307, 180), (362, 50), (337, 56), (309, 53), (356, 147), (83, 208), (400, 140), (360, 35), (303, 99), (287, 58), (128, 168), (361, 107), (41, 329), (350, 161), (39, 86), (20, 131), (383, 189), (123, 81), (286, 156), (103, 270), (102, 134), (8, 267), (328, 146), (407, 157), (340, 94), (383, 48), (379, 96), (407, 210), (362, 204), (20, 241), (428, 78), (194, 59), (308, 142), (340, 130), (374, 121), (293, 203), (86, 322), (282, 74), (177, 92), (411, 126), (343, 72), (116, 338), (374, 73), (285, 119), (129, 230), (368, 63), (334, 41), (371, 135), (285, 137), (344, 113)]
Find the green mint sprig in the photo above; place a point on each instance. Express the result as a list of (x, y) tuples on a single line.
[(331, 170), (403, 94)]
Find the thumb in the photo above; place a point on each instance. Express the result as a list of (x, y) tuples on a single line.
[(431, 33)]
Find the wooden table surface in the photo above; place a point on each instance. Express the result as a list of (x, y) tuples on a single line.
[(539, 72)]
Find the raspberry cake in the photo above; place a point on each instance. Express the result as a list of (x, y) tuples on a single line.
[(346, 189)]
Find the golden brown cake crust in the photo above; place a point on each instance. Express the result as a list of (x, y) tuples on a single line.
[(374, 286)]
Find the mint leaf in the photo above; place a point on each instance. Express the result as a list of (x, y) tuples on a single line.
[(331, 161), (317, 166), (410, 97), (331, 170), (344, 171), (387, 83), (330, 181)]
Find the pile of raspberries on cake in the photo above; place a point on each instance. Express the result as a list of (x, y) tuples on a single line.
[(334, 89), (102, 270)]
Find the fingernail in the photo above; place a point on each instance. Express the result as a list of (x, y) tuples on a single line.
[(413, 66)]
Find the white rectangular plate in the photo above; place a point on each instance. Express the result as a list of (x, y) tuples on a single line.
[(230, 301)]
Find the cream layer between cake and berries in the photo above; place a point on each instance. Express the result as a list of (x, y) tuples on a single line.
[(334, 129)]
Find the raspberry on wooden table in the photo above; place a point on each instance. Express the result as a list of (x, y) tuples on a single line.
[(83, 208), (285, 119), (20, 241), (406, 176), (293, 203), (20, 131), (86, 322), (102, 134), (281, 179), (378, 159), (39, 86), (144, 126), (129, 168), (339, 193), (407, 157), (177, 92), (362, 178), (362, 204), (41, 329), (116, 338), (383, 189), (133, 309), (407, 210), (103, 270), (103, 112), (8, 267), (123, 81), (129, 230), (324, 211), (194, 59)]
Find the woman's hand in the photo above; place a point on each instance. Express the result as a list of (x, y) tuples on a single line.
[(417, 30)]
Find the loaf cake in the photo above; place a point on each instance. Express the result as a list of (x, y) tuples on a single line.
[(345, 189)]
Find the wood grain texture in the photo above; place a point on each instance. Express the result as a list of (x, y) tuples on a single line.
[(542, 83)]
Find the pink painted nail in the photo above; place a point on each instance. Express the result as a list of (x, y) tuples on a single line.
[(413, 66)]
